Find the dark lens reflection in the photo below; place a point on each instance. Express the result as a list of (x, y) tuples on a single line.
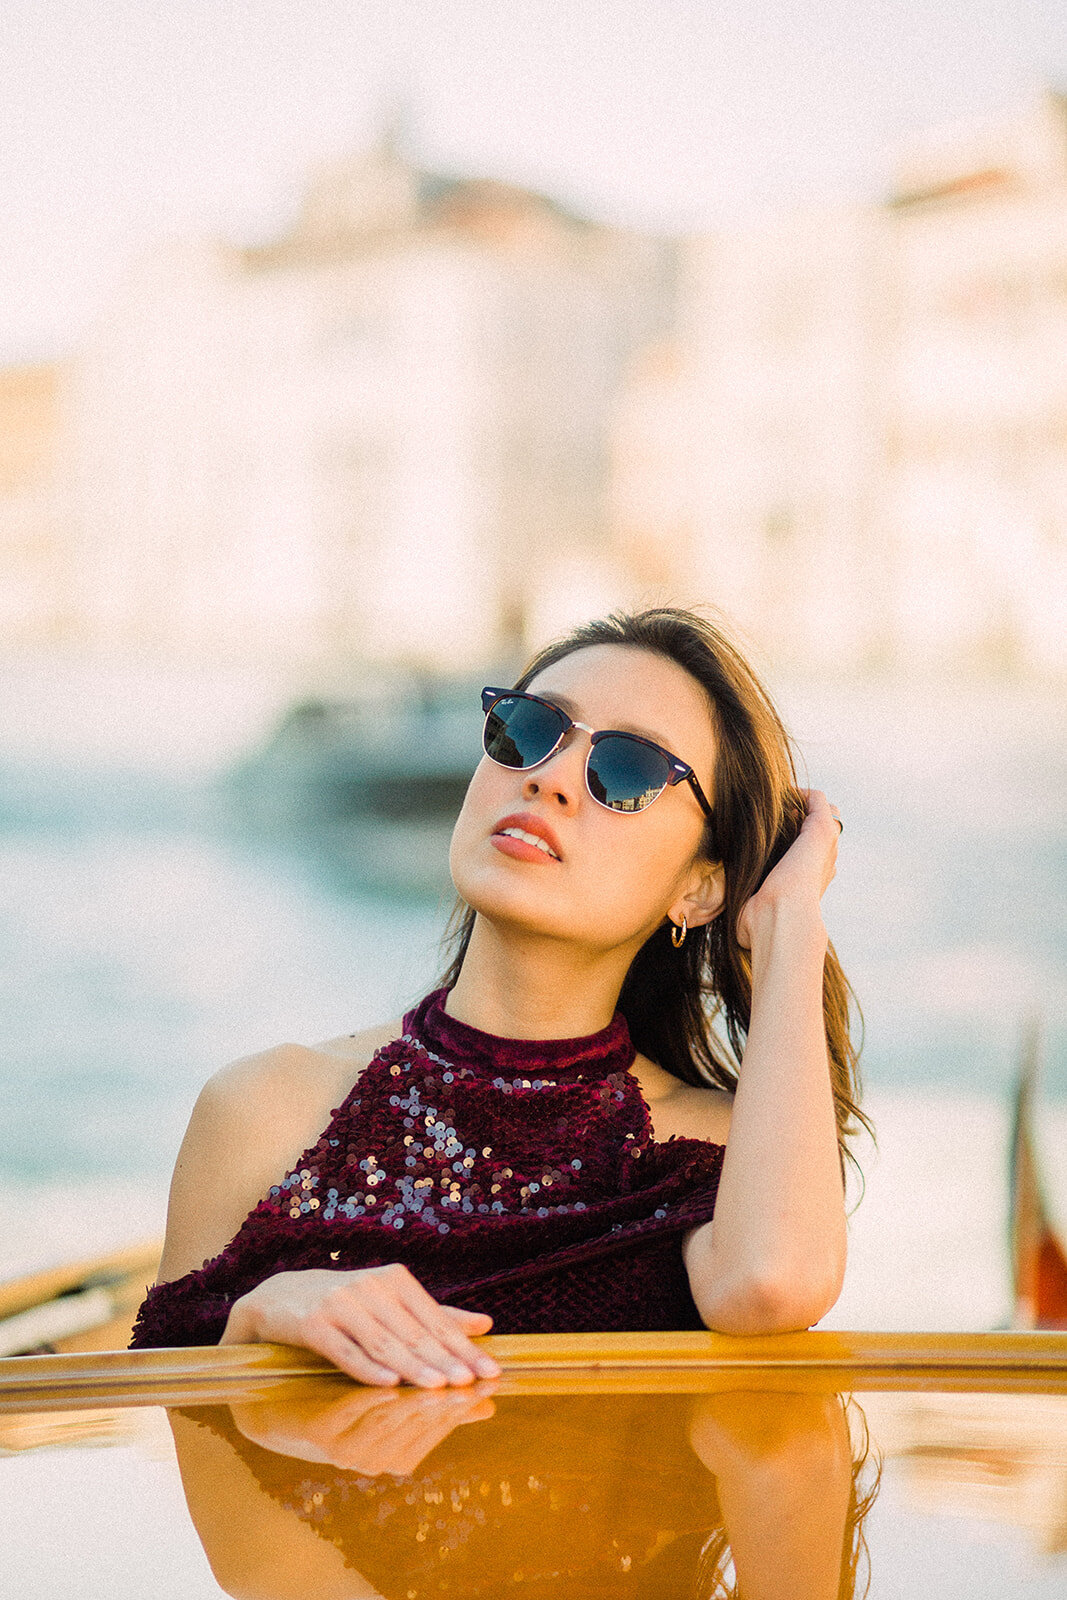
[(520, 733), (625, 774)]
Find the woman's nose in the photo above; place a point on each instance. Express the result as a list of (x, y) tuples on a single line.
[(562, 777)]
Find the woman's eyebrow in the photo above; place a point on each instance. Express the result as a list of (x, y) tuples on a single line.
[(569, 706), (559, 700)]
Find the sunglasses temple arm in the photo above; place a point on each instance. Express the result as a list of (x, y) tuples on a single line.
[(701, 796)]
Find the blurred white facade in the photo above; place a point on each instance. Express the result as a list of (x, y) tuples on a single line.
[(383, 437), (440, 419), (34, 547), (857, 442)]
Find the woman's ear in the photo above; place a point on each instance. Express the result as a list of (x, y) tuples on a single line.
[(703, 899)]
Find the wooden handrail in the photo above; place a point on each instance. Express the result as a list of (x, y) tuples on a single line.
[(558, 1362)]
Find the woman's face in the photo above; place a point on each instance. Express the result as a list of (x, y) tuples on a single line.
[(613, 876)]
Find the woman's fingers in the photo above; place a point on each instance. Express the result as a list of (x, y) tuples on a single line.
[(450, 1326), (803, 873), (394, 1339), (822, 809), (455, 1339), (336, 1345), (403, 1329), (472, 1322), (376, 1324), (382, 1350), (818, 838)]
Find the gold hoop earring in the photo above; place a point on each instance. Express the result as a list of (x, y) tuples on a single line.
[(678, 934)]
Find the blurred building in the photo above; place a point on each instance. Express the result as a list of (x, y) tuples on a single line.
[(441, 418), (34, 551), (856, 442), (977, 441), (384, 436)]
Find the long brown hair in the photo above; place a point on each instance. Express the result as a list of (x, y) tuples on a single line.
[(678, 1004)]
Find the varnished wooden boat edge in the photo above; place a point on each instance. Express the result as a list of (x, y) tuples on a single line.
[(565, 1362)]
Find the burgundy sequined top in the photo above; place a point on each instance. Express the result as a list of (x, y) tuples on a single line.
[(512, 1176)]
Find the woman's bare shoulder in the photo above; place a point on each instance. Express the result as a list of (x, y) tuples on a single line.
[(251, 1123), (682, 1109), (297, 1072)]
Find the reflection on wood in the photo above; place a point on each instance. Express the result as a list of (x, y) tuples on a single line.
[(1039, 1261), (987, 1457), (305, 1485), (478, 1494)]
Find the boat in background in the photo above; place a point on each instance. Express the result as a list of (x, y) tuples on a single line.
[(1038, 1257), (84, 1306), (373, 781)]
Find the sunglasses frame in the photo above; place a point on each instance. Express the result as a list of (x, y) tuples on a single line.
[(680, 771)]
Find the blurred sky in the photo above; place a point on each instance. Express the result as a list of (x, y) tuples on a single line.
[(122, 119)]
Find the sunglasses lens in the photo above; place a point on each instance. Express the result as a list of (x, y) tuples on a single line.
[(626, 775), (520, 733)]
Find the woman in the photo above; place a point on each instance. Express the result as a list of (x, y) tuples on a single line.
[(632, 848)]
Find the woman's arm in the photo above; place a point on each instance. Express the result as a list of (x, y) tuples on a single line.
[(250, 1125), (783, 1470), (251, 1122), (773, 1257)]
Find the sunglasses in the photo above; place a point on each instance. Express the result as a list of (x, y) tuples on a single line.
[(623, 771)]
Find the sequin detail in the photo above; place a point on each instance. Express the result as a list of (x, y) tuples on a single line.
[(430, 1164), (482, 1163)]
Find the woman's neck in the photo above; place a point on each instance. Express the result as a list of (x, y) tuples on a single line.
[(532, 987)]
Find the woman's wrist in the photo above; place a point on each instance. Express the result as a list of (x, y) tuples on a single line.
[(795, 920), (240, 1324)]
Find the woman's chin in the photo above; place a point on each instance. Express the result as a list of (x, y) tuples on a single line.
[(499, 894)]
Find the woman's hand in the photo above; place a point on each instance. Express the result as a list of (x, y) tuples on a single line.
[(805, 872), (362, 1430), (377, 1324)]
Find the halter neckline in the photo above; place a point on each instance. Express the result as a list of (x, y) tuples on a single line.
[(595, 1054)]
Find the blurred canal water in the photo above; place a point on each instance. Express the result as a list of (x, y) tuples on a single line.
[(148, 936)]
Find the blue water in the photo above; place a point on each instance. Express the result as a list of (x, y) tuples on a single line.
[(148, 936), (145, 945)]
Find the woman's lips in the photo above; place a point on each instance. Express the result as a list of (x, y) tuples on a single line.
[(503, 837), (508, 845)]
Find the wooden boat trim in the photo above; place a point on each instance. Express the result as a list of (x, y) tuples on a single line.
[(845, 1360), (533, 1351), (651, 1381)]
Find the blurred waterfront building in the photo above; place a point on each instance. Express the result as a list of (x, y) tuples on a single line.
[(383, 437), (33, 545), (856, 442), (441, 418)]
